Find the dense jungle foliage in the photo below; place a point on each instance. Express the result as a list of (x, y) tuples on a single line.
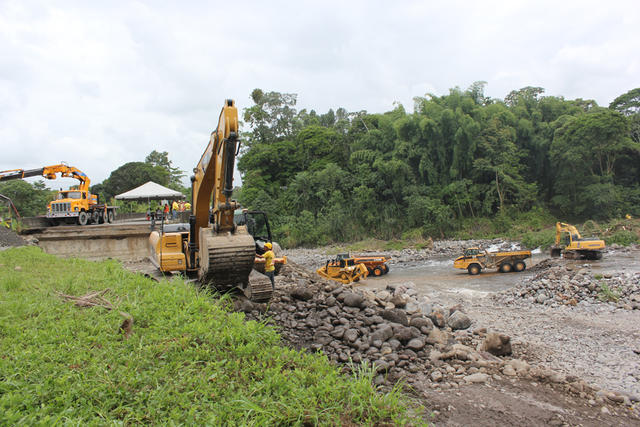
[(457, 159)]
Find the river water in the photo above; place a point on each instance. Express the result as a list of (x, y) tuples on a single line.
[(437, 277)]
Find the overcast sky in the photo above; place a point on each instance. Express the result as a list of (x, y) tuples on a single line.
[(100, 84)]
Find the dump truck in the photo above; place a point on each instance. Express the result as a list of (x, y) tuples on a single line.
[(76, 205), (342, 269), (570, 244), (474, 260)]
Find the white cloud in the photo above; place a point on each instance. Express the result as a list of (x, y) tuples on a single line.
[(102, 84)]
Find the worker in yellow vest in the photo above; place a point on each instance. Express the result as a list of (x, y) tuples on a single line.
[(269, 266)]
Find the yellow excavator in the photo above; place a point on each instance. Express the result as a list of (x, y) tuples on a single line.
[(212, 247), (570, 244)]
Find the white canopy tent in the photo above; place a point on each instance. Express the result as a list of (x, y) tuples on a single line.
[(151, 191)]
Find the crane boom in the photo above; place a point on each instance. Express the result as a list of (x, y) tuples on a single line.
[(49, 172)]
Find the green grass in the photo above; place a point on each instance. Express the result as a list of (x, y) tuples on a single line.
[(187, 361)]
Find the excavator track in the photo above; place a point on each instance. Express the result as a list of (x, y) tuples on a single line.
[(226, 263)]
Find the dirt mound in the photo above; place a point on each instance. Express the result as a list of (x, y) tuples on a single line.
[(8, 238)]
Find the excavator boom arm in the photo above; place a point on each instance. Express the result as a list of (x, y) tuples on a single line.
[(213, 176)]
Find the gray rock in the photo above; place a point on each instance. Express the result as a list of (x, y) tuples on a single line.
[(350, 335), (425, 308), (383, 295), (404, 334), (399, 300), (382, 334), (381, 365), (416, 344), (352, 299), (459, 320), (395, 315), (420, 322), (438, 318), (478, 377), (436, 336), (302, 293)]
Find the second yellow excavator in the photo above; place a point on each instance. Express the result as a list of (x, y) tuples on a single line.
[(212, 247), (573, 245)]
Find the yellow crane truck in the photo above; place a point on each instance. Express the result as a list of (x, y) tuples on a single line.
[(76, 205), (474, 260), (571, 244)]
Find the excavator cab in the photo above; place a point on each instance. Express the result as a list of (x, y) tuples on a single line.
[(257, 225)]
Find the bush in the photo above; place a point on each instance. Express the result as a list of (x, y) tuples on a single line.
[(622, 237)]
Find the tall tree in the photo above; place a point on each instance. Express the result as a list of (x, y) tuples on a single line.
[(584, 153), (131, 175), (161, 159)]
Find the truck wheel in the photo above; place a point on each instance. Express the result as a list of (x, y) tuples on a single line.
[(506, 268), (520, 266), (386, 268), (83, 218), (378, 271), (473, 269), (110, 216)]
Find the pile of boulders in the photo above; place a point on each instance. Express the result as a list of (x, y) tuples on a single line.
[(401, 335), (558, 284)]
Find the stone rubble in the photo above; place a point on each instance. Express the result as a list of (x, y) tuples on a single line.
[(558, 283), (405, 337)]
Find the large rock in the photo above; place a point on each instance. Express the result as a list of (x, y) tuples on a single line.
[(416, 344), (399, 300), (436, 336), (404, 334), (352, 299), (396, 316), (350, 335), (382, 334), (497, 344), (478, 377), (438, 318), (420, 322), (459, 320), (301, 293)]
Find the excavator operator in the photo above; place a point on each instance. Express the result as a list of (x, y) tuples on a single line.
[(269, 267)]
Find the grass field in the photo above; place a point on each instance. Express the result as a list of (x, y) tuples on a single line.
[(188, 359)]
